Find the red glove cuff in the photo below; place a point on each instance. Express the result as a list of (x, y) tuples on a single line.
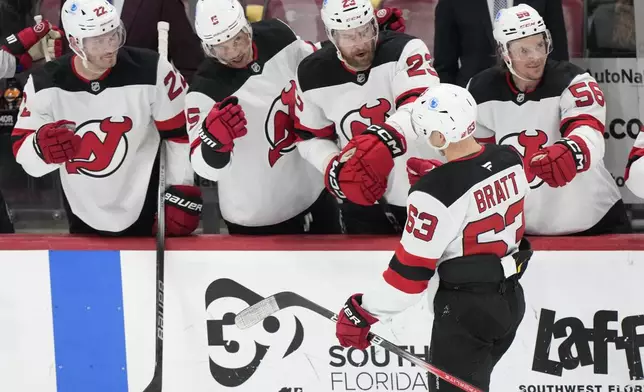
[(353, 311), (20, 43), (580, 151)]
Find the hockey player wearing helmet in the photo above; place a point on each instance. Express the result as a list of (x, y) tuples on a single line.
[(479, 302), (239, 109), (553, 113), (347, 91), (97, 116)]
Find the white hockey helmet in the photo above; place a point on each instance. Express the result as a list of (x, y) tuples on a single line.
[(84, 19), (447, 109), (346, 15), (515, 23), (217, 21)]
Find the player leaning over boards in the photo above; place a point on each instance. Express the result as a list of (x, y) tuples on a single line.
[(465, 220), (359, 81), (635, 167), (98, 116), (553, 113), (238, 109)]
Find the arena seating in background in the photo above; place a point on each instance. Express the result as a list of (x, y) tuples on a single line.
[(302, 15), (419, 18)]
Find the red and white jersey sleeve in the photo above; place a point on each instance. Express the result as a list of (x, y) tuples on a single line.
[(414, 73), (429, 229), (583, 114), (170, 120), (635, 167), (34, 112)]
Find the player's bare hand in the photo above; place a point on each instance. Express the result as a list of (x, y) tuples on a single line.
[(390, 19), (225, 123), (57, 142), (558, 164), (416, 168)]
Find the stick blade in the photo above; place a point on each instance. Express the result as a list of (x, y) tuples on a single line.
[(254, 314)]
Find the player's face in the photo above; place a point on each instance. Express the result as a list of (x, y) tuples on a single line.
[(102, 51), (357, 46), (237, 52), (529, 56)]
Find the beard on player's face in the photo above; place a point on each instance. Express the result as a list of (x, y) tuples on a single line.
[(359, 57)]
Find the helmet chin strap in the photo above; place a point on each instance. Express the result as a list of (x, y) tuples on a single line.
[(89, 67), (515, 73)]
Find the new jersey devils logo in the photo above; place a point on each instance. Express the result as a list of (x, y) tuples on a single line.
[(235, 355), (279, 124), (356, 121), (103, 148), (527, 143)]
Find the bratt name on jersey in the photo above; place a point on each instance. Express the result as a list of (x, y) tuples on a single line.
[(488, 197)]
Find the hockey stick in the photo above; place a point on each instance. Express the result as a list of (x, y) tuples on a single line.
[(43, 42), (266, 307), (157, 378)]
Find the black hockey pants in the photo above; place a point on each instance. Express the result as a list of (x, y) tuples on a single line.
[(474, 325)]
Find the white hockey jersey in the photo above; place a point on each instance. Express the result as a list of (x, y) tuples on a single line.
[(336, 101), (264, 180), (470, 206), (120, 117), (635, 167), (568, 101)]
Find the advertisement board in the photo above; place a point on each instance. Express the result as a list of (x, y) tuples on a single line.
[(84, 320), (622, 82)]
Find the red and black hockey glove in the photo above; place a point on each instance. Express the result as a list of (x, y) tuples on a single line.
[(354, 324), (416, 168), (390, 19), (183, 206), (56, 142), (359, 173), (558, 164), (20, 43), (225, 122)]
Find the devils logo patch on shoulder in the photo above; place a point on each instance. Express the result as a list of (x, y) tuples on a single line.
[(357, 121), (103, 149), (279, 124), (527, 143)]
